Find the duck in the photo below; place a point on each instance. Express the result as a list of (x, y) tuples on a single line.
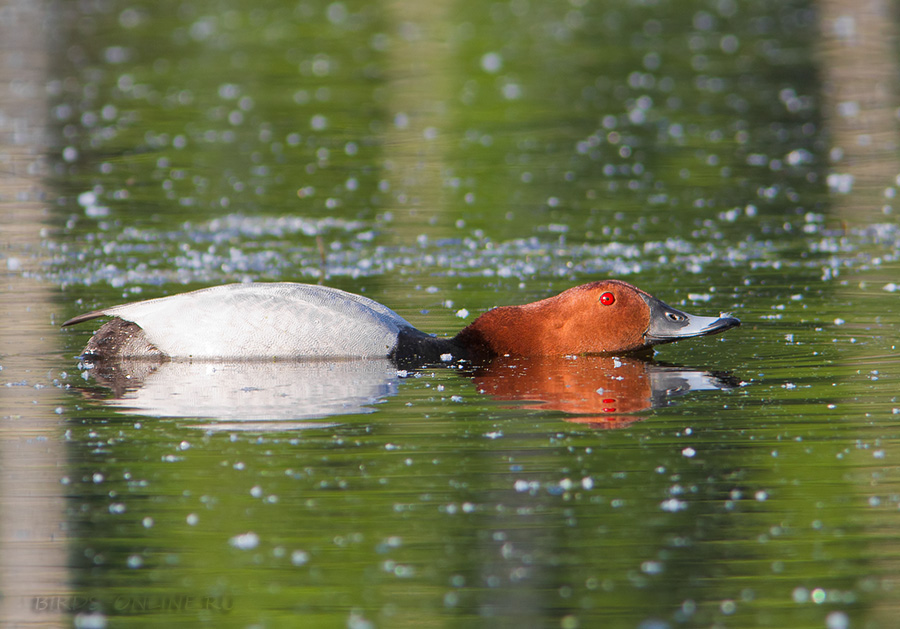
[(285, 320)]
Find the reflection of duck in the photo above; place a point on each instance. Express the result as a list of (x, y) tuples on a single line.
[(601, 390), (259, 395), (247, 394), (283, 320)]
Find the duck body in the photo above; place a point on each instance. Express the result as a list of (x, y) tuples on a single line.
[(288, 320)]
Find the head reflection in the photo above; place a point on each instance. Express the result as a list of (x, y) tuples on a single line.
[(604, 391)]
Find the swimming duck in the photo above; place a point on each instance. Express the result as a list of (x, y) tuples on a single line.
[(287, 320)]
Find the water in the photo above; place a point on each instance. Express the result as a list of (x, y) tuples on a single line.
[(442, 160)]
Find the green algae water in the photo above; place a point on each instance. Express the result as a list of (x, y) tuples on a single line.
[(443, 159)]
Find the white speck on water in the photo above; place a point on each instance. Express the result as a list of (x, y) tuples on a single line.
[(93, 620), (673, 505), (116, 508), (299, 557), (355, 621), (839, 321), (256, 491), (587, 482), (462, 313), (842, 183), (837, 620), (848, 109), (491, 62), (512, 91), (652, 567), (192, 519), (494, 435), (446, 358), (245, 541), (147, 522), (688, 452), (97, 478), (761, 496)]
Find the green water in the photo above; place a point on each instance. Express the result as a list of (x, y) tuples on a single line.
[(442, 159)]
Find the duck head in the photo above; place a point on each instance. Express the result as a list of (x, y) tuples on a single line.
[(605, 317)]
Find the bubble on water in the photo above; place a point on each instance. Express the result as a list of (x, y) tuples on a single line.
[(491, 62), (673, 505), (837, 620), (245, 541), (841, 183), (92, 620)]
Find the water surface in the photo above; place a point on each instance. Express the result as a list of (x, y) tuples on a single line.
[(444, 159)]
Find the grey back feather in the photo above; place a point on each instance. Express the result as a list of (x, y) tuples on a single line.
[(263, 320)]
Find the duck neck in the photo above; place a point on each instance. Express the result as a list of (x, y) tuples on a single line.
[(512, 330), (416, 348)]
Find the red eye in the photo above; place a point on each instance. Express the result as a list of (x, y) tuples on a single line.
[(607, 299)]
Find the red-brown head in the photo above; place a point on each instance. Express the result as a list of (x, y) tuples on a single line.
[(605, 317)]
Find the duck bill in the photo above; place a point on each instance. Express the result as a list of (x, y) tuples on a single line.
[(668, 324)]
